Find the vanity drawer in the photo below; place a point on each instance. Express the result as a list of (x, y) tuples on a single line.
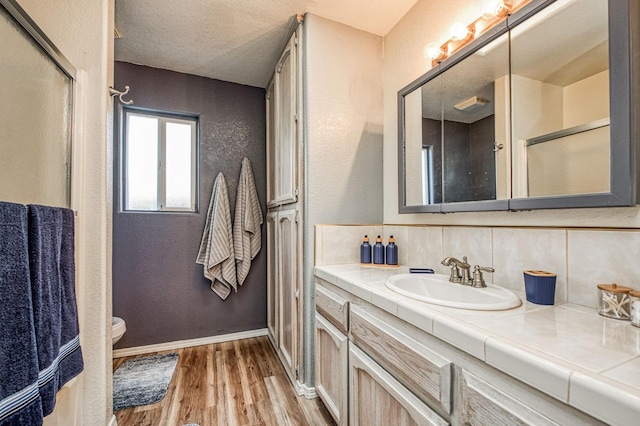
[(417, 367), (485, 405), (333, 307)]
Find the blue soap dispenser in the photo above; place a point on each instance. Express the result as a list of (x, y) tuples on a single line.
[(392, 251), (365, 251), (378, 252)]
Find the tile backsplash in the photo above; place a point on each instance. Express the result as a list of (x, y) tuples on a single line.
[(581, 258)]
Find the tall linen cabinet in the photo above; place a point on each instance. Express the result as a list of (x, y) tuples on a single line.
[(324, 165)]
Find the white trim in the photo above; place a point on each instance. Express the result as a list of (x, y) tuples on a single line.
[(308, 392), (300, 388), (113, 421), (179, 344)]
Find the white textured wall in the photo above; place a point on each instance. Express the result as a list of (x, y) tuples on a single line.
[(586, 100), (428, 21), (342, 69), (83, 31), (344, 122)]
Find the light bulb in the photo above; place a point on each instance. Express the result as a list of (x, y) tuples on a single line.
[(495, 8), (459, 31), (433, 52)]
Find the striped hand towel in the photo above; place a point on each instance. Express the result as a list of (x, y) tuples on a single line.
[(216, 248), (247, 233)]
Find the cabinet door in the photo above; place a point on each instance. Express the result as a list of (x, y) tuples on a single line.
[(271, 143), (376, 398), (423, 371), (273, 287), (332, 369), (286, 158), (483, 404), (287, 253)]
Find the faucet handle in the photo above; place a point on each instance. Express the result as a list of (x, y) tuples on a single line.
[(455, 276), (478, 279)]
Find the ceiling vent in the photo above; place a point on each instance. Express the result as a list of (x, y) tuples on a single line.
[(116, 33), (471, 104)]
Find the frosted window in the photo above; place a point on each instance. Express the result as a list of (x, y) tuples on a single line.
[(178, 184), (142, 163), (159, 166), (35, 118)]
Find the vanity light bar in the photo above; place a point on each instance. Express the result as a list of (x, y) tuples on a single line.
[(494, 11)]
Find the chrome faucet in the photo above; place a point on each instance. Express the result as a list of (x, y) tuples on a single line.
[(456, 267)]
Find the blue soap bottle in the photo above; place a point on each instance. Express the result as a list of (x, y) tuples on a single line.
[(392, 251), (378, 252), (365, 251)]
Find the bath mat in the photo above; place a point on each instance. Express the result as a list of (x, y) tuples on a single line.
[(142, 381)]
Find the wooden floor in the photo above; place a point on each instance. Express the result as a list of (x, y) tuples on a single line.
[(232, 383)]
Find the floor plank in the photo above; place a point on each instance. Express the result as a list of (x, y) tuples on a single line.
[(231, 383)]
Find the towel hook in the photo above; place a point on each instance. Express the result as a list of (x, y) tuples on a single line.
[(119, 94)]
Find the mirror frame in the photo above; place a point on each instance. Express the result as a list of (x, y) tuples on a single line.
[(624, 69)]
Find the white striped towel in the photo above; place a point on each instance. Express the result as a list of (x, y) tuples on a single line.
[(247, 233), (216, 248)]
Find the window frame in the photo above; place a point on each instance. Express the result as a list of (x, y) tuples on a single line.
[(163, 118)]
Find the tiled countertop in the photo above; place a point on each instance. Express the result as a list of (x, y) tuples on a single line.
[(567, 351)]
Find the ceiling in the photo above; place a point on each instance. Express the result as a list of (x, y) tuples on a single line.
[(232, 40)]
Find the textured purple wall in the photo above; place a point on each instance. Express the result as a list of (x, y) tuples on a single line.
[(158, 288)]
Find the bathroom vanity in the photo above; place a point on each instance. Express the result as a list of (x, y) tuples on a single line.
[(384, 358)]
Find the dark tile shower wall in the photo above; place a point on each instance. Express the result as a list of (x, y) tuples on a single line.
[(483, 162), (469, 161), (158, 288)]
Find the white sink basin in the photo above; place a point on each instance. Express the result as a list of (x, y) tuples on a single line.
[(438, 290)]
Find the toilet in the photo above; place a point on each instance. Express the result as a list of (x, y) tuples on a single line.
[(118, 327)]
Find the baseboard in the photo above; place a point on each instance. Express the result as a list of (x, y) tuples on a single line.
[(308, 392), (139, 350), (300, 388), (113, 421)]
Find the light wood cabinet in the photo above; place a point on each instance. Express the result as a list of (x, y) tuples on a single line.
[(398, 374), (484, 405), (284, 229), (332, 369), (270, 99), (283, 287), (288, 282), (423, 371), (377, 398), (333, 307), (282, 132), (273, 287)]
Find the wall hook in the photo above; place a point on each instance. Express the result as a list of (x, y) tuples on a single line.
[(119, 94)]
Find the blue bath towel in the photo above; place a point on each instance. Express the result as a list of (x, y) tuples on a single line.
[(19, 398), (52, 267)]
